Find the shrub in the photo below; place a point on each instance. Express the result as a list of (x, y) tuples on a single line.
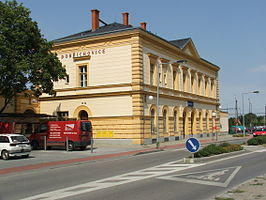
[(214, 149), (233, 147), (257, 140)]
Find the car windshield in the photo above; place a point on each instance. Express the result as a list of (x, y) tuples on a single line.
[(19, 139), (260, 129), (85, 126)]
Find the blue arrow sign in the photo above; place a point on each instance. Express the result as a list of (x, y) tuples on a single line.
[(192, 145)]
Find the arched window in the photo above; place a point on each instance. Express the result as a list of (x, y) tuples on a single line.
[(184, 82), (165, 121), (83, 115), (206, 88), (192, 84), (199, 86), (175, 121), (207, 122), (152, 121), (175, 80)]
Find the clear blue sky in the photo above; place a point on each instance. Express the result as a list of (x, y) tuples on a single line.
[(228, 33)]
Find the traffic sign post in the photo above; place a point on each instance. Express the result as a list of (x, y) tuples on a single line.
[(192, 145)]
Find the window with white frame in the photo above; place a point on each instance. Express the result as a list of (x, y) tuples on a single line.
[(83, 75)]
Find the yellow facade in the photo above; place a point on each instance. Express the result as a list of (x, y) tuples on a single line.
[(22, 103), (112, 75)]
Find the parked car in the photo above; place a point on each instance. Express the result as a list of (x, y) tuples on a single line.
[(259, 131), (14, 145), (236, 129)]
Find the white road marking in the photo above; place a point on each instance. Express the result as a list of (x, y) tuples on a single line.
[(166, 168), (260, 151), (217, 177), (114, 181)]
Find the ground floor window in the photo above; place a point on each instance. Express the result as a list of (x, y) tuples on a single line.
[(62, 115), (83, 115), (152, 121), (175, 121)]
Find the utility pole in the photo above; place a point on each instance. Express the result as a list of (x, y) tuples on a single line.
[(264, 114), (236, 111)]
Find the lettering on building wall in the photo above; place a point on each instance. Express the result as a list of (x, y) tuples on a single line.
[(82, 53)]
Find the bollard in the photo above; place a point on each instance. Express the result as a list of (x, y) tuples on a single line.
[(66, 143), (45, 143), (91, 144)]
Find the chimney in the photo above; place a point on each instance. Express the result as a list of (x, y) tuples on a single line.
[(125, 18), (143, 25), (95, 19)]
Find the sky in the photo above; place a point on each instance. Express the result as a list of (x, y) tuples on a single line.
[(229, 33)]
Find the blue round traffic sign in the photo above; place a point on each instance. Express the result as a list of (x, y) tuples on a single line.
[(192, 144)]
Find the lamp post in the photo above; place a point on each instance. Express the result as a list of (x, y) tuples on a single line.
[(243, 109), (264, 115), (159, 66)]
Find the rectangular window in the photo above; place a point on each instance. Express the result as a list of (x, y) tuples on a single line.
[(67, 79), (83, 76), (152, 74), (165, 78), (62, 115)]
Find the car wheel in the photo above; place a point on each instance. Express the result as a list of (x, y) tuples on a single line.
[(5, 155), (34, 145), (82, 148), (71, 146), (25, 156)]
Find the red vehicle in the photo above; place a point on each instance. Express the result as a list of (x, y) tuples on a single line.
[(259, 131), (7, 127), (62, 133)]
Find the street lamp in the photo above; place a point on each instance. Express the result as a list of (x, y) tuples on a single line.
[(243, 109), (158, 98)]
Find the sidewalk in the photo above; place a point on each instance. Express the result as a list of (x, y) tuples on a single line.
[(41, 159), (249, 190)]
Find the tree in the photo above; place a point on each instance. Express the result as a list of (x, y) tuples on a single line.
[(26, 60)]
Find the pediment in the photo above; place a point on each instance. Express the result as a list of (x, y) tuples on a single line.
[(190, 49)]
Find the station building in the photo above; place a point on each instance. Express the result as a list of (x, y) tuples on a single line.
[(115, 72)]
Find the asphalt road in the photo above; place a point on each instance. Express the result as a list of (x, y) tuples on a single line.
[(156, 175)]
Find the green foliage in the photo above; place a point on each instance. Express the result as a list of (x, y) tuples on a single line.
[(251, 120), (259, 140), (214, 149), (26, 60)]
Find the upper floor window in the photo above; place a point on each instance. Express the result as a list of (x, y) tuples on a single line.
[(199, 86), (67, 79), (165, 77), (206, 88), (83, 75), (184, 82), (152, 74), (175, 80)]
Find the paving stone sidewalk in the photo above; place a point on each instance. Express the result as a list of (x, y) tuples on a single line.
[(253, 189)]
